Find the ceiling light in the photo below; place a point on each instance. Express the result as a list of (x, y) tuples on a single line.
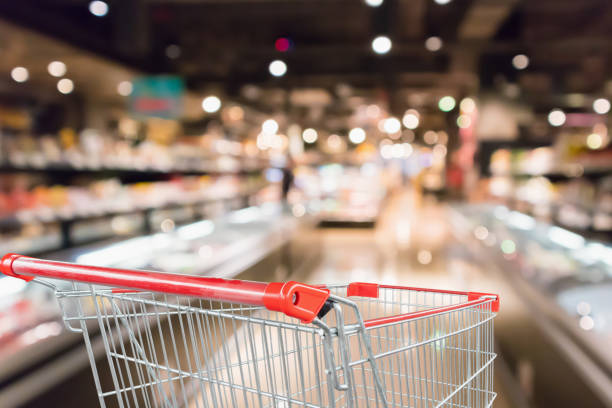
[(411, 119), (374, 3), (442, 2), (269, 127), (556, 117), (56, 68), (98, 8), (282, 44), (601, 106), (20, 74), (381, 44), (173, 51), (277, 68), (392, 125), (446, 103), (433, 44), (357, 135), (125, 88), (65, 86), (310, 135), (520, 61), (211, 104)]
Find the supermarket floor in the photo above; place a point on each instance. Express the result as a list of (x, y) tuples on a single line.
[(414, 244)]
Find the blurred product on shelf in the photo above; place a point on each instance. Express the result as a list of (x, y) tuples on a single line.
[(562, 272), (345, 193), (568, 183), (45, 203), (92, 150), (37, 219)]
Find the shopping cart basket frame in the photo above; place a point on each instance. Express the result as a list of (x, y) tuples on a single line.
[(307, 303)]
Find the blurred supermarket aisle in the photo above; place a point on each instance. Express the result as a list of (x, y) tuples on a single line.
[(417, 242), (412, 244)]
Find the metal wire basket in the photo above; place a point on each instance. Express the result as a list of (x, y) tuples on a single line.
[(187, 341)]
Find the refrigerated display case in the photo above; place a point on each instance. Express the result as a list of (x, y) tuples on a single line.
[(563, 275), (33, 339)]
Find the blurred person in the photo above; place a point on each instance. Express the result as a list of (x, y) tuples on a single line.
[(288, 178)]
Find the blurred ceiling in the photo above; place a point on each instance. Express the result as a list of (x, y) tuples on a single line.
[(229, 44)]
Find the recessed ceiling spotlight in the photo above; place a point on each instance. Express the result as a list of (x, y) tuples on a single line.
[(125, 88), (556, 117), (381, 44), (520, 61), (211, 104), (310, 135), (392, 125), (98, 8), (357, 135), (433, 44), (20, 74), (173, 51), (65, 86), (601, 106), (277, 68), (57, 68)]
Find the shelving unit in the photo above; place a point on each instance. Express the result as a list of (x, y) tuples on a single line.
[(65, 226), (564, 184), (563, 277), (235, 244)]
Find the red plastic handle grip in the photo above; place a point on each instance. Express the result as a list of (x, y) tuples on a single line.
[(292, 298)]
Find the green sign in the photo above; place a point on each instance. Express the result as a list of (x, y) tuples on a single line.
[(157, 96)]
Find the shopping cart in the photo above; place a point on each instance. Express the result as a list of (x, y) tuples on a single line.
[(176, 340)]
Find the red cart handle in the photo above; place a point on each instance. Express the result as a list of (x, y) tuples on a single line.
[(292, 298)]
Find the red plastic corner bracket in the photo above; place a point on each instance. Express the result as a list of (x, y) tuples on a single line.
[(478, 295), (295, 299), (6, 267), (362, 289)]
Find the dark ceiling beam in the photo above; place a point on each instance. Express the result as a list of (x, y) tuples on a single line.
[(132, 29), (484, 18), (481, 22), (358, 79), (411, 19), (576, 46)]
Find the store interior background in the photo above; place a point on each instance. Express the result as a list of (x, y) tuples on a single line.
[(459, 144)]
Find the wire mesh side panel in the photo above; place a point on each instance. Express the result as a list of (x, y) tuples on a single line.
[(171, 351), (441, 360)]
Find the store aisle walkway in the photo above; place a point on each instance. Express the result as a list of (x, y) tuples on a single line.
[(412, 244)]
